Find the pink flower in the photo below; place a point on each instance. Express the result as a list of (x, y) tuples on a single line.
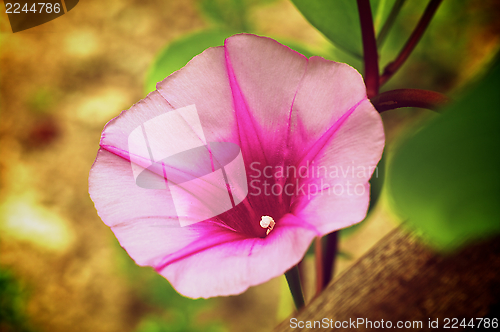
[(310, 140)]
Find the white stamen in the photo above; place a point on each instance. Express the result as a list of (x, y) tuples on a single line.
[(267, 222)]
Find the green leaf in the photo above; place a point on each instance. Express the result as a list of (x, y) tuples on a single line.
[(338, 20), (13, 303), (177, 324), (385, 19), (445, 179), (177, 54), (228, 13), (381, 10)]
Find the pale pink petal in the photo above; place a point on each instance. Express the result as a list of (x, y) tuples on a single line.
[(327, 92), (341, 171), (264, 77), (117, 131), (143, 220), (204, 82), (243, 93), (231, 267)]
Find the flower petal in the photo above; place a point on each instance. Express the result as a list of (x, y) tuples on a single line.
[(264, 77), (116, 132), (143, 220), (232, 266), (327, 92), (204, 82), (336, 190)]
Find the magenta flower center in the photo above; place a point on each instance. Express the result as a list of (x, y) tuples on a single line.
[(266, 197)]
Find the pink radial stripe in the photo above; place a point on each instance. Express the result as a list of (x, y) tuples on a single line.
[(264, 77)]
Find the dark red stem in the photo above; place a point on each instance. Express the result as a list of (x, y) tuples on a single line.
[(293, 279), (318, 255), (409, 98), (329, 256), (422, 25), (370, 54), (302, 276), (326, 253)]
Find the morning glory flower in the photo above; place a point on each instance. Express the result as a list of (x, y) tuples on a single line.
[(303, 140)]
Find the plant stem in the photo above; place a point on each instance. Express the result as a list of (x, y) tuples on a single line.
[(302, 276), (318, 255), (293, 279), (409, 98), (382, 35), (370, 54), (326, 253), (329, 256), (422, 25)]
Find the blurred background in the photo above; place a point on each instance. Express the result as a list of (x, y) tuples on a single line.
[(61, 268)]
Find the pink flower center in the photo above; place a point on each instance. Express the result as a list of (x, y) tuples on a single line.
[(248, 217)]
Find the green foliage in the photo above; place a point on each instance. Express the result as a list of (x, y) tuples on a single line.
[(227, 13), (230, 14), (12, 304), (442, 55), (445, 179), (158, 324), (388, 17), (338, 20)]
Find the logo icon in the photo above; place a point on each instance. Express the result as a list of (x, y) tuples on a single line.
[(204, 179), (28, 14)]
